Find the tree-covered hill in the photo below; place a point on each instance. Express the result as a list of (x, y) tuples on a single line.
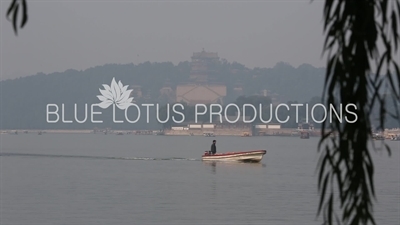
[(24, 100)]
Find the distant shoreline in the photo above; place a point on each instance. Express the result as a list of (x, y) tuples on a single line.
[(192, 132), (287, 132)]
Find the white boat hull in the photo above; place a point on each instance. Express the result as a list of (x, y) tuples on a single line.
[(248, 156)]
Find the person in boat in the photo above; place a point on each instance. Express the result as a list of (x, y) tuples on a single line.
[(213, 147)]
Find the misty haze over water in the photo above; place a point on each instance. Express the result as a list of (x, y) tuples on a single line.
[(109, 179)]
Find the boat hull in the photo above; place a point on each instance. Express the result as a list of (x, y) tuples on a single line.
[(248, 156)]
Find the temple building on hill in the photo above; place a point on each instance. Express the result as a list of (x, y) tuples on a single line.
[(202, 89), (201, 66)]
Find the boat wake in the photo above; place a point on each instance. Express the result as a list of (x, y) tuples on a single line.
[(4, 154)]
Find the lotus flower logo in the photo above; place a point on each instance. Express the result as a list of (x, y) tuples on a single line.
[(116, 94)]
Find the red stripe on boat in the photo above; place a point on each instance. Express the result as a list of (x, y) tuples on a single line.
[(236, 153)]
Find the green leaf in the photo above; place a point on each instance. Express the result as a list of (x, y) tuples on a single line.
[(330, 209), (15, 18), (24, 13), (11, 8), (322, 197)]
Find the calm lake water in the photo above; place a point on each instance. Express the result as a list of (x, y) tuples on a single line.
[(109, 179)]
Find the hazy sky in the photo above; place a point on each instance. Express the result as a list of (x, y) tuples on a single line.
[(63, 35)]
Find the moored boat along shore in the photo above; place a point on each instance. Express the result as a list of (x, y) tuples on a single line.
[(392, 134)]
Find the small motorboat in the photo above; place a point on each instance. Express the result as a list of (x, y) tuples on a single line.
[(247, 156)]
